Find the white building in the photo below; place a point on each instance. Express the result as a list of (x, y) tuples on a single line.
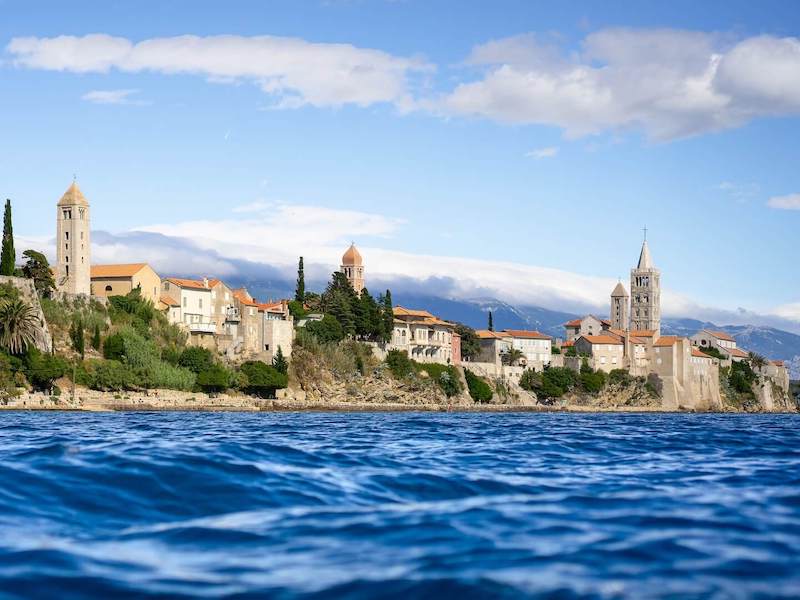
[(535, 346), (424, 337), (194, 307), (720, 340)]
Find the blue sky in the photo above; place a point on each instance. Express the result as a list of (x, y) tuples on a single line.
[(519, 146)]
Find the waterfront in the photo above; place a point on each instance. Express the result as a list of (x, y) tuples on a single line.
[(398, 504)]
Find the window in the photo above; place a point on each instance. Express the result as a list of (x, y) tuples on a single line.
[(66, 235), (266, 347), (184, 302), (67, 214), (82, 213), (200, 303), (81, 235), (66, 247), (67, 271), (109, 288), (66, 259)]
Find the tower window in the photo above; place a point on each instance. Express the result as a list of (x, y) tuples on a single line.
[(66, 259), (66, 235), (109, 288), (66, 247), (67, 271), (67, 214)]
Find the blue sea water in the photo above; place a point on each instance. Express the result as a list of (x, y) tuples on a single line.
[(401, 505)]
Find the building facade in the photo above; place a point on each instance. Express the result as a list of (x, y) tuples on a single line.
[(619, 316), (424, 337), (194, 308), (536, 347), (120, 280), (73, 243)]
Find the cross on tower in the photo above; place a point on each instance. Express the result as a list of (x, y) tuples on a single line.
[(645, 233)]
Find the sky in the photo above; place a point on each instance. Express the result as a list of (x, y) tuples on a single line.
[(512, 149)]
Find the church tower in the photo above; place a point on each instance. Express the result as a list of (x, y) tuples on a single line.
[(73, 250), (353, 268), (619, 308), (646, 293)]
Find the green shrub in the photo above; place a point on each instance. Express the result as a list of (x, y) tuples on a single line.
[(530, 380), (593, 382), (263, 379), (399, 364), (554, 350), (326, 330), (214, 379), (296, 309), (479, 390), (114, 347), (196, 359), (710, 351), (445, 376), (43, 369), (109, 376), (620, 377)]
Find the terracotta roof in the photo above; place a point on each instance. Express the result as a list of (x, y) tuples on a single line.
[(737, 352), (169, 301), (721, 335), (352, 257), (73, 197), (271, 307), (212, 283), (605, 321), (436, 321), (567, 344), (127, 270), (643, 333), (778, 363), (697, 353), (399, 311), (602, 339), (666, 340), (638, 340), (242, 297), (530, 335), (187, 283), (485, 334), (573, 323)]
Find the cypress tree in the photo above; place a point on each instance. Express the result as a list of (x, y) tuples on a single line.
[(280, 363), (96, 337), (388, 316), (491, 322), (78, 337), (300, 290), (8, 257)]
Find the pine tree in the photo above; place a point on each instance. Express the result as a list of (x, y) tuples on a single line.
[(491, 322), (96, 341), (387, 316), (371, 325), (8, 257), (280, 363), (300, 290)]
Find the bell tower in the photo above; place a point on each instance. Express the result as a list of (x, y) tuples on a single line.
[(73, 250), (353, 268), (619, 308), (646, 293)]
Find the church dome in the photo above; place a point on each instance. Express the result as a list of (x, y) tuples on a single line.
[(352, 257), (73, 197)]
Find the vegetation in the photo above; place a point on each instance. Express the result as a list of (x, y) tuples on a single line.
[(470, 343), (327, 330), (551, 383), (280, 363), (300, 289), (18, 325), (479, 390), (262, 380), (445, 376), (715, 352), (215, 379), (511, 356), (399, 364), (490, 325), (554, 350), (78, 337), (37, 267), (8, 257)]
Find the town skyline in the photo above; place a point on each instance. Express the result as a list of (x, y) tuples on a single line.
[(545, 209)]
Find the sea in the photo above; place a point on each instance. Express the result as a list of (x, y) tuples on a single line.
[(399, 505)]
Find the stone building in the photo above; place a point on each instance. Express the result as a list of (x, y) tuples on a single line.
[(73, 250), (588, 325), (536, 347), (645, 293), (353, 268), (120, 280), (620, 318), (606, 352), (193, 299), (424, 337)]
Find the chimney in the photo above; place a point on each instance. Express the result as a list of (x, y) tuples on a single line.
[(205, 282)]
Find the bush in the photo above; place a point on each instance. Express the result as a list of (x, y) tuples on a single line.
[(399, 364), (109, 376), (530, 380), (114, 347), (445, 376), (620, 377), (593, 382), (263, 379), (296, 309), (556, 381), (715, 352), (554, 350), (479, 390), (196, 359), (214, 379), (43, 369), (326, 330)]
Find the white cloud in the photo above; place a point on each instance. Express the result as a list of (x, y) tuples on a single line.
[(295, 71), (539, 153), (789, 202), (109, 96), (669, 83)]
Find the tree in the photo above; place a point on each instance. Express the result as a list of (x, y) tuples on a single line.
[(196, 359), (479, 390), (280, 363), (327, 330), (8, 258), (263, 379), (341, 302), (43, 369), (470, 343), (77, 335), (387, 316), (38, 268), (114, 347), (757, 361), (215, 379), (300, 290), (511, 356), (371, 324), (96, 337), (18, 326), (491, 321)]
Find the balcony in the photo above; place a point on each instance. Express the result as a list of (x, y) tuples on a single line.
[(202, 327), (232, 315)]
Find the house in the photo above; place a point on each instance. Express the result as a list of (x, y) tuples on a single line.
[(224, 311), (120, 280), (536, 347), (194, 308), (277, 330), (607, 352), (493, 345), (424, 337), (588, 325), (250, 325)]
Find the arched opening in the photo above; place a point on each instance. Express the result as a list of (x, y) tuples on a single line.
[(109, 288)]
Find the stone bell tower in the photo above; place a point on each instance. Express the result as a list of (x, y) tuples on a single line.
[(353, 268), (619, 308), (73, 250), (646, 293)]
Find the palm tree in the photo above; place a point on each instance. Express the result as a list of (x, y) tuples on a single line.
[(18, 326), (511, 356), (757, 361)]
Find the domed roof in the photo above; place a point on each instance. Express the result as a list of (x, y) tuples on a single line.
[(352, 257), (73, 197)]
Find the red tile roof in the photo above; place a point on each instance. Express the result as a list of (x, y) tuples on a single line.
[(522, 333), (643, 333), (573, 323), (399, 311), (721, 335), (187, 283), (169, 301), (666, 341), (602, 339), (698, 354), (737, 352), (128, 270)]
